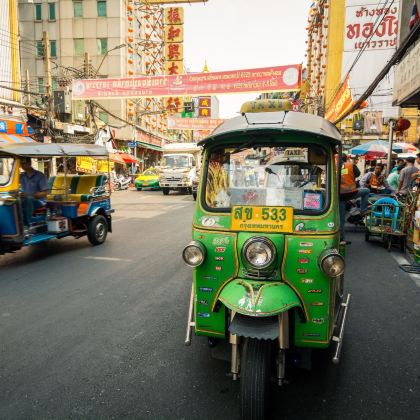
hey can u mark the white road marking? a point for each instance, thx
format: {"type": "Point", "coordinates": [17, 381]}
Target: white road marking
{"type": "Point", "coordinates": [107, 259]}
{"type": "Point", "coordinates": [400, 259]}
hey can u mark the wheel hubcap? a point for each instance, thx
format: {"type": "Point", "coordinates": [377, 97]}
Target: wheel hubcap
{"type": "Point", "coordinates": [100, 231]}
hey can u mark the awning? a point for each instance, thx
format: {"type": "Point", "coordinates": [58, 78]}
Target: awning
{"type": "Point", "coordinates": [14, 139]}
{"type": "Point", "coordinates": [128, 158]}
{"type": "Point", "coordinates": [116, 157]}
{"type": "Point", "coordinates": [149, 146]}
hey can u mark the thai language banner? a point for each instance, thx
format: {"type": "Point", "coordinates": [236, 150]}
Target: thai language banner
{"type": "Point", "coordinates": [371, 27]}
{"type": "Point", "coordinates": [193, 123]}
{"type": "Point", "coordinates": [269, 79]}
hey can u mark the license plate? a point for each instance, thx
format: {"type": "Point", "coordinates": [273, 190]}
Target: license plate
{"type": "Point", "coordinates": [145, 184]}
{"type": "Point", "coordinates": [262, 219]}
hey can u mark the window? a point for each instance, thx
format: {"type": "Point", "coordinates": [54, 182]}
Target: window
{"type": "Point", "coordinates": [39, 49]}
{"type": "Point", "coordinates": [267, 175]}
{"type": "Point", "coordinates": [103, 116]}
{"type": "Point", "coordinates": [79, 46]}
{"type": "Point", "coordinates": [53, 48]}
{"type": "Point", "coordinates": [102, 46]}
{"type": "Point", "coordinates": [51, 11]}
{"type": "Point", "coordinates": [77, 9]}
{"type": "Point", "coordinates": [54, 84]}
{"type": "Point", "coordinates": [41, 87]}
{"type": "Point", "coordinates": [38, 11]}
{"type": "Point", "coordinates": [101, 6]}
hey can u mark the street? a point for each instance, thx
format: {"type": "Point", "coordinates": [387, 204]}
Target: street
{"type": "Point", "coordinates": [97, 332]}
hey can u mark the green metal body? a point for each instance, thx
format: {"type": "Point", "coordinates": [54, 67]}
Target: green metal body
{"type": "Point", "coordinates": [297, 284]}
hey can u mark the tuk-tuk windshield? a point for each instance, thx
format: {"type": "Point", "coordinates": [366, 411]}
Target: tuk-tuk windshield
{"type": "Point", "coordinates": [268, 176]}
{"type": "Point", "coordinates": [175, 161]}
{"type": "Point", "coordinates": [6, 169]}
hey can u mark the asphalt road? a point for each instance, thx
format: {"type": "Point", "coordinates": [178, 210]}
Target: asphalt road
{"type": "Point", "coordinates": [97, 332]}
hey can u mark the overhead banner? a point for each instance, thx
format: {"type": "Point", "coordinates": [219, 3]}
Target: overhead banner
{"type": "Point", "coordinates": [175, 1]}
{"type": "Point", "coordinates": [269, 79]}
{"type": "Point", "coordinates": [341, 103]}
{"type": "Point", "coordinates": [193, 123]}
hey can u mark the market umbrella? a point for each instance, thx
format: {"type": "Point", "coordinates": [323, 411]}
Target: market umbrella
{"type": "Point", "coordinates": [407, 148]}
{"type": "Point", "coordinates": [375, 149]}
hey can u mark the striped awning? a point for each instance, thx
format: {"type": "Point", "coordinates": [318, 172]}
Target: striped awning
{"type": "Point", "coordinates": [14, 139]}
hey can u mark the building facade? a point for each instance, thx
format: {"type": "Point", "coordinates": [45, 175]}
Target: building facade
{"type": "Point", "coordinates": [88, 39]}
{"type": "Point", "coordinates": [349, 42]}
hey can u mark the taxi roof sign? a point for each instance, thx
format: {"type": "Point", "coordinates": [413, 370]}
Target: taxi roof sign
{"type": "Point", "coordinates": [267, 105]}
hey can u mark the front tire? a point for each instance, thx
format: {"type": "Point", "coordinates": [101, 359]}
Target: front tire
{"type": "Point", "coordinates": [97, 230]}
{"type": "Point", "coordinates": [255, 379]}
{"type": "Point", "coordinates": [165, 191]}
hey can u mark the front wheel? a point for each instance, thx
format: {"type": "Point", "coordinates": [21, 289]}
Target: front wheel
{"type": "Point", "coordinates": [97, 230]}
{"type": "Point", "coordinates": [255, 379]}
{"type": "Point", "coordinates": [165, 191]}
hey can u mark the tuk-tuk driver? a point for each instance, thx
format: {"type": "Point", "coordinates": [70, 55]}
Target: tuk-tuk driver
{"type": "Point", "coordinates": [34, 185]}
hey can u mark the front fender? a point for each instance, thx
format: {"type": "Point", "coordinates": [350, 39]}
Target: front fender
{"type": "Point", "coordinates": [258, 299]}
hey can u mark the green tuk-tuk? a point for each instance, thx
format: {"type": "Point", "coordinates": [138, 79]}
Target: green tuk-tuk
{"type": "Point", "coordinates": [268, 266]}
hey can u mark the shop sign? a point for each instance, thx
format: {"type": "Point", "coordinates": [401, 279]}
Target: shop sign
{"type": "Point", "coordinates": [268, 79]}
{"type": "Point", "coordinates": [341, 103]}
{"type": "Point", "coordinates": [174, 51]}
{"type": "Point", "coordinates": [85, 164]}
{"type": "Point", "coordinates": [407, 75]}
{"type": "Point", "coordinates": [362, 31]}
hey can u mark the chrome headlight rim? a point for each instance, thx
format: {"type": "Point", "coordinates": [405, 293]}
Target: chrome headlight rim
{"type": "Point", "coordinates": [265, 241]}
{"type": "Point", "coordinates": [198, 245]}
{"type": "Point", "coordinates": [331, 253]}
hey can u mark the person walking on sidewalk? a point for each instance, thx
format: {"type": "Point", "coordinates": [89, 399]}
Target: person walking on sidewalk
{"type": "Point", "coordinates": [350, 191]}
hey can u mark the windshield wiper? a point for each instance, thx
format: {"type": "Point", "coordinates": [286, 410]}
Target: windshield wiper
{"type": "Point", "coordinates": [243, 146]}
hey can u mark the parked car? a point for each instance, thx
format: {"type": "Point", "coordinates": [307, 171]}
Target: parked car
{"type": "Point", "coordinates": [148, 179]}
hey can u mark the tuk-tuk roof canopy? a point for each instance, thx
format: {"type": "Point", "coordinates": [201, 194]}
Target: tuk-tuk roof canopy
{"type": "Point", "coordinates": [53, 149]}
{"type": "Point", "coordinates": [288, 121]}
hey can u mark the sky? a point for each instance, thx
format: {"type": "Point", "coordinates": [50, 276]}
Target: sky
{"type": "Point", "coordinates": [243, 34]}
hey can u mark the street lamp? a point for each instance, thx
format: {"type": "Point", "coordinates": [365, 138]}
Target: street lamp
{"type": "Point", "coordinates": [103, 58]}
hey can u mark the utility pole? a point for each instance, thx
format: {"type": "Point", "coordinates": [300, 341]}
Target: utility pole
{"type": "Point", "coordinates": [86, 74]}
{"type": "Point", "coordinates": [48, 80]}
{"type": "Point", "coordinates": [27, 88]}
{"type": "Point", "coordinates": [50, 100]}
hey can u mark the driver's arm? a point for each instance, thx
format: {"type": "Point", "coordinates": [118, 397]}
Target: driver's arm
{"type": "Point", "coordinates": [42, 188]}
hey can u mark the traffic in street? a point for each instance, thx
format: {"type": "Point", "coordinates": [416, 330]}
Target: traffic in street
{"type": "Point", "coordinates": [98, 332]}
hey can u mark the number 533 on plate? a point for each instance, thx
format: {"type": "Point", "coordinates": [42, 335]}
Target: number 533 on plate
{"type": "Point", "coordinates": [262, 219]}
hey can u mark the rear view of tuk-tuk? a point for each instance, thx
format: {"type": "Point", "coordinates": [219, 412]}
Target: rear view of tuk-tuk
{"type": "Point", "coordinates": [268, 271]}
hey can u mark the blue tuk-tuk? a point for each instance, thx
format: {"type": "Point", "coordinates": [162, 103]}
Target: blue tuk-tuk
{"type": "Point", "coordinates": [76, 205]}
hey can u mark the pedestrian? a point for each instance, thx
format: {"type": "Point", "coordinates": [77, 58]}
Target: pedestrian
{"type": "Point", "coordinates": [407, 175]}
{"type": "Point", "coordinates": [350, 191]}
{"type": "Point", "coordinates": [417, 163]}
{"type": "Point", "coordinates": [400, 162]}
{"type": "Point", "coordinates": [376, 181]}
{"type": "Point", "coordinates": [393, 178]}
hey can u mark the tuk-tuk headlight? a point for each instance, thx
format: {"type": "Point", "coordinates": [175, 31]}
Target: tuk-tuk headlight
{"type": "Point", "coordinates": [331, 263]}
{"type": "Point", "coordinates": [259, 252]}
{"type": "Point", "coordinates": [194, 254]}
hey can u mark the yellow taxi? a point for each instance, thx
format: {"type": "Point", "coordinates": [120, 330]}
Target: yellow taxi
{"type": "Point", "coordinates": [148, 179]}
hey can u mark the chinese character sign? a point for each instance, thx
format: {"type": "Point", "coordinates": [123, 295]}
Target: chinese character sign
{"type": "Point", "coordinates": [174, 51]}
{"type": "Point", "coordinates": [204, 106]}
